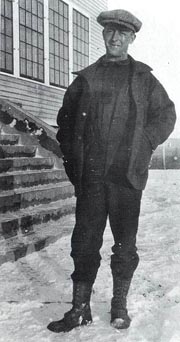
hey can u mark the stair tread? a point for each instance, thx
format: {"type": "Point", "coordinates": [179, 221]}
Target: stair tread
{"type": "Point", "coordinates": [37, 208]}
{"type": "Point", "coordinates": [2, 136]}
{"type": "Point", "coordinates": [18, 145]}
{"type": "Point", "coordinates": [26, 158]}
{"type": "Point", "coordinates": [21, 190]}
{"type": "Point", "coordinates": [29, 172]}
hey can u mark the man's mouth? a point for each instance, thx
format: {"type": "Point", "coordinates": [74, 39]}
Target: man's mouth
{"type": "Point", "coordinates": [114, 45]}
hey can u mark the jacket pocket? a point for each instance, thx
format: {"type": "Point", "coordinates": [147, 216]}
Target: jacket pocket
{"type": "Point", "coordinates": [144, 155]}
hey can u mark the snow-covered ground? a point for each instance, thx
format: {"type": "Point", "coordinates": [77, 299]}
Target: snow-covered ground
{"type": "Point", "coordinates": [37, 288]}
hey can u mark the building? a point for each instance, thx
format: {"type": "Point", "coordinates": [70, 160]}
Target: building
{"type": "Point", "coordinates": [41, 43]}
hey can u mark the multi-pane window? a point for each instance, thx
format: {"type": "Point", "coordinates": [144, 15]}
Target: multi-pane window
{"type": "Point", "coordinates": [80, 40]}
{"type": "Point", "coordinates": [6, 37]}
{"type": "Point", "coordinates": [59, 43]}
{"type": "Point", "coordinates": [31, 30]}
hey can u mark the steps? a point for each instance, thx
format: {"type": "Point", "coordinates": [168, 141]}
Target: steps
{"type": "Point", "coordinates": [8, 151]}
{"type": "Point", "coordinates": [33, 191]}
{"type": "Point", "coordinates": [15, 164]}
{"type": "Point", "coordinates": [18, 179]}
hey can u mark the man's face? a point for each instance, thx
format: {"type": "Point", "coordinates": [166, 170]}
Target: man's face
{"type": "Point", "coordinates": [117, 40]}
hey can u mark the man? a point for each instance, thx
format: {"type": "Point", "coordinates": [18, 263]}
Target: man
{"type": "Point", "coordinates": [114, 115]}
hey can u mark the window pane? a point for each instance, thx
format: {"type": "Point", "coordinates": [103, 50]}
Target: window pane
{"type": "Point", "coordinates": [8, 27]}
{"type": "Point", "coordinates": [40, 10]}
{"type": "Point", "coordinates": [40, 41]}
{"type": "Point", "coordinates": [28, 36]}
{"type": "Point", "coordinates": [28, 19]}
{"type": "Point", "coordinates": [51, 46]}
{"type": "Point", "coordinates": [2, 8]}
{"type": "Point", "coordinates": [34, 7]}
{"type": "Point", "coordinates": [29, 52]}
{"type": "Point", "coordinates": [22, 3]}
{"type": "Point", "coordinates": [52, 76]}
{"type": "Point", "coordinates": [35, 70]}
{"type": "Point", "coordinates": [22, 50]}
{"type": "Point", "coordinates": [34, 22]}
{"type": "Point", "coordinates": [41, 72]}
{"type": "Point", "coordinates": [51, 31]}
{"type": "Point", "coordinates": [57, 63]}
{"type": "Point", "coordinates": [23, 66]}
{"type": "Point", "coordinates": [2, 25]}
{"type": "Point", "coordinates": [8, 44]}
{"type": "Point", "coordinates": [2, 60]}
{"type": "Point", "coordinates": [56, 77]}
{"type": "Point", "coordinates": [34, 38]}
{"type": "Point", "coordinates": [22, 34]}
{"type": "Point", "coordinates": [51, 15]}
{"type": "Point", "coordinates": [35, 54]}
{"type": "Point", "coordinates": [29, 68]}
{"type": "Point", "coordinates": [56, 2]}
{"type": "Point", "coordinates": [9, 62]}
{"type": "Point", "coordinates": [2, 42]}
{"type": "Point", "coordinates": [28, 5]}
{"type": "Point", "coordinates": [40, 25]}
{"type": "Point", "coordinates": [22, 16]}
{"type": "Point", "coordinates": [40, 56]}
{"type": "Point", "coordinates": [56, 33]}
{"type": "Point", "coordinates": [8, 9]}
{"type": "Point", "coordinates": [52, 61]}
{"type": "Point", "coordinates": [56, 49]}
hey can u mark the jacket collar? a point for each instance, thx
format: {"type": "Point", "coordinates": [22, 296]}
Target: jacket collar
{"type": "Point", "coordinates": [138, 67]}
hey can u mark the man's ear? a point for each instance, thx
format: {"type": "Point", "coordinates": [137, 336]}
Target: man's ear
{"type": "Point", "coordinates": [132, 39]}
{"type": "Point", "coordinates": [103, 33]}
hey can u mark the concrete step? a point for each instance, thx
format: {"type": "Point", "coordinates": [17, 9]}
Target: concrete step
{"type": "Point", "coordinates": [26, 220]}
{"type": "Point", "coordinates": [9, 139]}
{"type": "Point", "coordinates": [16, 179]}
{"type": "Point", "coordinates": [7, 151]}
{"type": "Point", "coordinates": [14, 200]}
{"type": "Point", "coordinates": [31, 163]}
{"type": "Point", "coordinates": [24, 243]}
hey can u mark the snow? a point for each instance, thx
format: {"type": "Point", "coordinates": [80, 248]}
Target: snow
{"type": "Point", "coordinates": [37, 288]}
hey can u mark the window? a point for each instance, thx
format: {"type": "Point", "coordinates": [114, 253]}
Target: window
{"type": "Point", "coordinates": [80, 40]}
{"type": "Point", "coordinates": [6, 37]}
{"type": "Point", "coordinates": [59, 43]}
{"type": "Point", "coordinates": [31, 31]}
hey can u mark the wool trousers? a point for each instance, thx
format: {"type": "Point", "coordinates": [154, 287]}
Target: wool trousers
{"type": "Point", "coordinates": [97, 203]}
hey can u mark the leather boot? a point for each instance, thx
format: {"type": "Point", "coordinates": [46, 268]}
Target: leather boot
{"type": "Point", "coordinates": [119, 313]}
{"type": "Point", "coordinates": [80, 314]}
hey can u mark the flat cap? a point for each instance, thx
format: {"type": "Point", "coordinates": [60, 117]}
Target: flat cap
{"type": "Point", "coordinates": [120, 17]}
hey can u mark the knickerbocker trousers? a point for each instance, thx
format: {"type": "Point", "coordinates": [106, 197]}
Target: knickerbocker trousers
{"type": "Point", "coordinates": [97, 202]}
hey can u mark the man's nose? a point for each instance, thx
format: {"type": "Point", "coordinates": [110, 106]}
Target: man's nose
{"type": "Point", "coordinates": [116, 35]}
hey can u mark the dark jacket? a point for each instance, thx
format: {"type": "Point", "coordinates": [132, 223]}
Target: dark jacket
{"type": "Point", "coordinates": [155, 119]}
